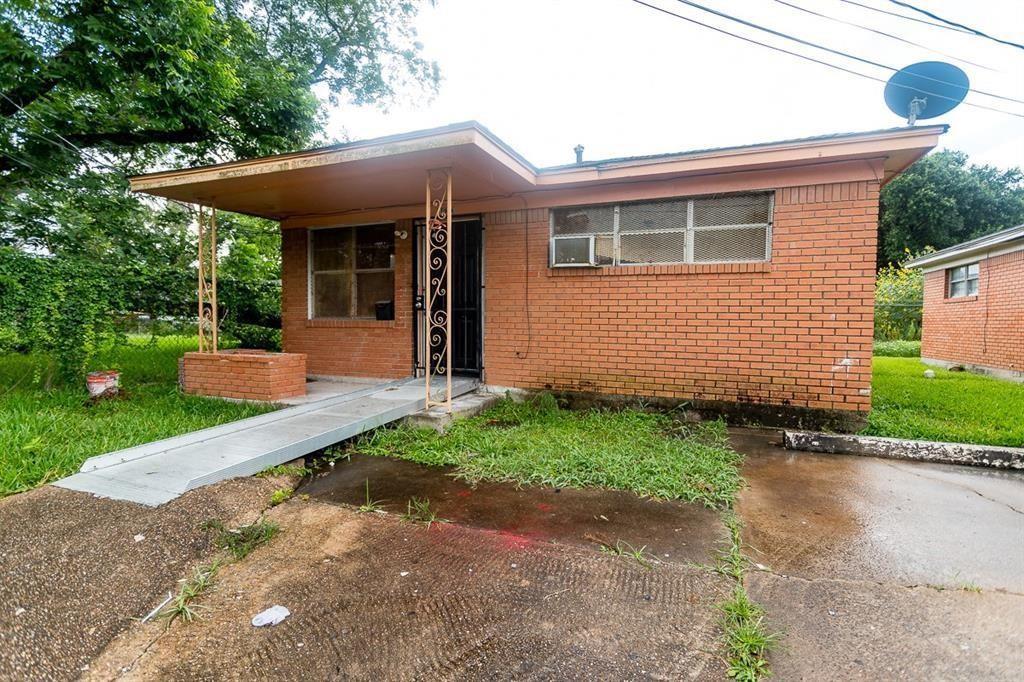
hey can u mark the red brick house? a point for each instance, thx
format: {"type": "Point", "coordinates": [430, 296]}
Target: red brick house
{"type": "Point", "coordinates": [723, 277]}
{"type": "Point", "coordinates": [974, 305]}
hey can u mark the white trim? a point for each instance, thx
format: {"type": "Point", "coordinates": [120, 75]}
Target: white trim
{"type": "Point", "coordinates": [969, 257]}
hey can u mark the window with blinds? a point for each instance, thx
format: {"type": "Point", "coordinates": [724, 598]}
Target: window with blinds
{"type": "Point", "coordinates": [719, 229]}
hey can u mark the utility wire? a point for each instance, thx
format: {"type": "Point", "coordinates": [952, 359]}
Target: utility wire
{"type": "Point", "coordinates": [962, 27]}
{"type": "Point", "coordinates": [882, 33]}
{"type": "Point", "coordinates": [902, 16]}
{"type": "Point", "coordinates": [811, 59]}
{"type": "Point", "coordinates": [839, 53]}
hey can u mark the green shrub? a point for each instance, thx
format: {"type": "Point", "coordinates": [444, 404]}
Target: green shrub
{"type": "Point", "coordinates": [9, 340]}
{"type": "Point", "coordinates": [898, 349]}
{"type": "Point", "coordinates": [899, 293]}
{"type": "Point", "coordinates": [254, 336]}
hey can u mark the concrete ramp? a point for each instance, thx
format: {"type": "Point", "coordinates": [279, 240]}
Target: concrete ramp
{"type": "Point", "coordinates": [157, 472]}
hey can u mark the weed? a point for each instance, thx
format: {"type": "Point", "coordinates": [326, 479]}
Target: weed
{"type": "Point", "coordinates": [419, 511]}
{"type": "Point", "coordinates": [241, 541]}
{"type": "Point", "coordinates": [285, 470]}
{"type": "Point", "coordinates": [622, 548]}
{"type": "Point", "coordinates": [746, 639]}
{"type": "Point", "coordinates": [281, 495]}
{"type": "Point", "coordinates": [370, 505]}
{"type": "Point", "coordinates": [183, 605]}
{"type": "Point", "coordinates": [971, 587]}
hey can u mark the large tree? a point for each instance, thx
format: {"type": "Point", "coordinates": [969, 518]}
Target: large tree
{"type": "Point", "coordinates": [943, 200]}
{"type": "Point", "coordinates": [127, 82]}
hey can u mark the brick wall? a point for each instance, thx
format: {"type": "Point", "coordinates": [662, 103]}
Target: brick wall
{"type": "Point", "coordinates": [796, 331]}
{"type": "Point", "coordinates": [985, 330]}
{"type": "Point", "coordinates": [368, 348]}
{"type": "Point", "coordinates": [244, 374]}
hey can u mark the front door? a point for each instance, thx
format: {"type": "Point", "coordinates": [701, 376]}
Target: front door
{"type": "Point", "coordinates": [467, 298]}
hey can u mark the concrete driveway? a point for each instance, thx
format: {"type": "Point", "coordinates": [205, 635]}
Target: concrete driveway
{"type": "Point", "coordinates": [873, 569]}
{"type": "Point", "coordinates": [881, 569]}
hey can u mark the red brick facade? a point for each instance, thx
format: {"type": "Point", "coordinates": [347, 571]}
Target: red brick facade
{"type": "Point", "coordinates": [795, 331]}
{"type": "Point", "coordinates": [366, 348]}
{"type": "Point", "coordinates": [986, 330]}
{"type": "Point", "coordinates": [244, 374]}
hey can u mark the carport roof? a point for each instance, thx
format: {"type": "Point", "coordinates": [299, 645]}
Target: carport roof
{"type": "Point", "coordinates": [389, 171]}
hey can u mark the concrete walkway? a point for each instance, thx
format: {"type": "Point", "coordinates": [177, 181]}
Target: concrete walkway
{"type": "Point", "coordinates": [155, 473]}
{"type": "Point", "coordinates": [879, 569]}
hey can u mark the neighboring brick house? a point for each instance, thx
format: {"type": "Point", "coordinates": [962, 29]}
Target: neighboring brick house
{"type": "Point", "coordinates": [974, 305]}
{"type": "Point", "coordinates": [722, 277]}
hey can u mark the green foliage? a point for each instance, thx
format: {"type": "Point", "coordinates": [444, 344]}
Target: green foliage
{"type": "Point", "coordinates": [184, 605]}
{"type": "Point", "coordinates": [899, 295]}
{"type": "Point", "coordinates": [137, 79]}
{"type": "Point", "coordinates": [254, 336]}
{"type": "Point", "coordinates": [897, 349]}
{"type": "Point", "coordinates": [47, 434]}
{"type": "Point", "coordinates": [956, 407]}
{"type": "Point", "coordinates": [537, 443]}
{"type": "Point", "coordinates": [241, 541]}
{"type": "Point", "coordinates": [942, 200]}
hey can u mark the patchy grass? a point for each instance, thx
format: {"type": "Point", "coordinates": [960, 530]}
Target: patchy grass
{"type": "Point", "coordinates": [419, 511]}
{"type": "Point", "coordinates": [371, 505]}
{"type": "Point", "coordinates": [48, 431]}
{"type": "Point", "coordinates": [898, 349]}
{"type": "Point", "coordinates": [747, 641]}
{"type": "Point", "coordinates": [537, 443]}
{"type": "Point", "coordinates": [623, 548]}
{"type": "Point", "coordinates": [241, 541]}
{"type": "Point", "coordinates": [299, 470]}
{"type": "Point", "coordinates": [958, 407]}
{"type": "Point", "coordinates": [183, 605]}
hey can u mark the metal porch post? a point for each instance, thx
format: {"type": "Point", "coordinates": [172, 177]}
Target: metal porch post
{"type": "Point", "coordinates": [439, 282]}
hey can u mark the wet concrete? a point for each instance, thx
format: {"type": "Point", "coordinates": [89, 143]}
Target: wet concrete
{"type": "Point", "coordinates": [375, 598]}
{"type": "Point", "coordinates": [671, 531]}
{"type": "Point", "coordinates": [875, 569]}
{"type": "Point", "coordinates": [863, 518]}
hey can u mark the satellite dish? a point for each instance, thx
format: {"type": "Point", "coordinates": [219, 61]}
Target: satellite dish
{"type": "Point", "coordinates": [926, 90]}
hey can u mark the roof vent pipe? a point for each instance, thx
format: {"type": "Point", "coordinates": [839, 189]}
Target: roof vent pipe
{"type": "Point", "coordinates": [579, 153]}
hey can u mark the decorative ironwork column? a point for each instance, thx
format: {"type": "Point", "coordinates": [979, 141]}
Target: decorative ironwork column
{"type": "Point", "coordinates": [207, 267]}
{"type": "Point", "coordinates": [439, 282]}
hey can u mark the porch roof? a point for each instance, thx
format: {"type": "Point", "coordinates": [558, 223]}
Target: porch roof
{"type": "Point", "coordinates": [388, 172]}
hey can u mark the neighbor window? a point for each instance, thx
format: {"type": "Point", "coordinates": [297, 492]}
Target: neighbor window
{"type": "Point", "coordinates": [352, 270]}
{"type": "Point", "coordinates": [720, 229]}
{"type": "Point", "coordinates": [962, 281]}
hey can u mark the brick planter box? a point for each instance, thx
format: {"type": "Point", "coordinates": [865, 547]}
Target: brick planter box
{"type": "Point", "coordinates": [244, 374]}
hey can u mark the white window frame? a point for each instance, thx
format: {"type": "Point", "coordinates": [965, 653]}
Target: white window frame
{"type": "Point", "coordinates": [311, 273]}
{"type": "Point", "coordinates": [961, 274]}
{"type": "Point", "coordinates": [688, 234]}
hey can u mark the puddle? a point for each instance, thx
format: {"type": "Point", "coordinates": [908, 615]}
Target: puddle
{"type": "Point", "coordinates": [672, 531]}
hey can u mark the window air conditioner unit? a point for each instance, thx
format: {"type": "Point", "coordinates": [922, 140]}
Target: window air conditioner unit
{"type": "Point", "coordinates": [573, 252]}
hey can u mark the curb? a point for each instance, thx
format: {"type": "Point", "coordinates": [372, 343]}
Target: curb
{"type": "Point", "coordinates": [992, 456]}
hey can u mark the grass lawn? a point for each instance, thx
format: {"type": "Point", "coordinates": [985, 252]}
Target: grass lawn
{"type": "Point", "coordinates": [47, 434]}
{"type": "Point", "coordinates": [957, 407]}
{"type": "Point", "coordinates": [537, 443]}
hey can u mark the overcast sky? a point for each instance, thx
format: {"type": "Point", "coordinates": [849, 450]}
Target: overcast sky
{"type": "Point", "coordinates": [623, 79]}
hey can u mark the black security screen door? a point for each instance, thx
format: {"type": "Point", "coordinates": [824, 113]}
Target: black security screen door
{"type": "Point", "coordinates": [467, 299]}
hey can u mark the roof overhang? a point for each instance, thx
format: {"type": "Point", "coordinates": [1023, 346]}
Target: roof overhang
{"type": "Point", "coordinates": [1004, 241]}
{"type": "Point", "coordinates": [390, 171]}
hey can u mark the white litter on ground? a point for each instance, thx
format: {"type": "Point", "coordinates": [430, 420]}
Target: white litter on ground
{"type": "Point", "coordinates": [272, 616]}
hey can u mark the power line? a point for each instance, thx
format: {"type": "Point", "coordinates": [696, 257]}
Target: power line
{"type": "Point", "coordinates": [807, 57]}
{"type": "Point", "coordinates": [955, 24]}
{"type": "Point", "coordinates": [882, 33]}
{"type": "Point", "coordinates": [902, 16]}
{"type": "Point", "coordinates": [839, 53]}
